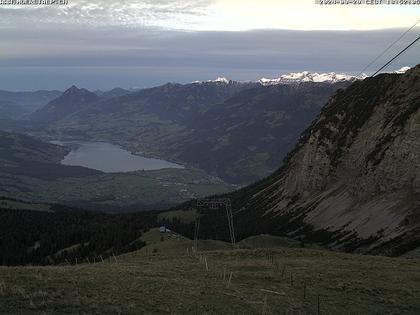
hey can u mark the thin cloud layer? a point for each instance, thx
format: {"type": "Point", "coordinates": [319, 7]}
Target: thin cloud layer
{"type": "Point", "coordinates": [105, 13]}
{"type": "Point", "coordinates": [103, 58]}
{"type": "Point", "coordinates": [212, 15]}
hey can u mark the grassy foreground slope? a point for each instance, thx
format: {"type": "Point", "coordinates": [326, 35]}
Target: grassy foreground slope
{"type": "Point", "coordinates": [162, 279]}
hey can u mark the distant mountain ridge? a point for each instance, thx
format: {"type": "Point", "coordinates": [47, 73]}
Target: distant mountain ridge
{"type": "Point", "coordinates": [71, 101]}
{"type": "Point", "coordinates": [295, 78]}
{"type": "Point", "coordinates": [220, 80]}
{"type": "Point", "coordinates": [11, 110]}
{"type": "Point", "coordinates": [17, 105]}
{"type": "Point", "coordinates": [74, 99]}
{"type": "Point", "coordinates": [116, 92]}
{"type": "Point", "coordinates": [306, 76]}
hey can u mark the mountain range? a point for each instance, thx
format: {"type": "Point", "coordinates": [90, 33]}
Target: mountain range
{"type": "Point", "coordinates": [193, 124]}
{"type": "Point", "coordinates": [307, 76]}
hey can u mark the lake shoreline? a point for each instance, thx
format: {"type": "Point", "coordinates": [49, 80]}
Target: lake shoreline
{"type": "Point", "coordinates": [109, 158]}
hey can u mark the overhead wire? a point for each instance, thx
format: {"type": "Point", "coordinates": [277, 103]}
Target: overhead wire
{"type": "Point", "coordinates": [388, 48]}
{"type": "Point", "coordinates": [395, 57]}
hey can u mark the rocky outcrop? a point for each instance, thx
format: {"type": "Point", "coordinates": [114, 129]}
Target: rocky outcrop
{"type": "Point", "coordinates": [353, 180]}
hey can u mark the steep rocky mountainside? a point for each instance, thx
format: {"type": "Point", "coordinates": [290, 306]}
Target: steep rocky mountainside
{"type": "Point", "coordinates": [353, 180]}
{"type": "Point", "coordinates": [237, 131]}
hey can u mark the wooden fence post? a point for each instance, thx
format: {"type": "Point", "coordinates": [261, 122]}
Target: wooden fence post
{"type": "Point", "coordinates": [318, 307]}
{"type": "Point", "coordinates": [230, 279]}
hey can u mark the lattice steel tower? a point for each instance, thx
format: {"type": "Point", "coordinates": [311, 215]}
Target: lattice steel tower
{"type": "Point", "coordinates": [215, 204]}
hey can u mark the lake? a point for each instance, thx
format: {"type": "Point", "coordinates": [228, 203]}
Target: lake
{"type": "Point", "coordinates": [109, 158]}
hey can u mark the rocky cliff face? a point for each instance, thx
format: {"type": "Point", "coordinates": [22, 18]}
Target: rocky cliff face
{"type": "Point", "coordinates": [353, 180]}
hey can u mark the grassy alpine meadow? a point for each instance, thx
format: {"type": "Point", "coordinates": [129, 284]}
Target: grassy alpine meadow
{"type": "Point", "coordinates": [168, 277]}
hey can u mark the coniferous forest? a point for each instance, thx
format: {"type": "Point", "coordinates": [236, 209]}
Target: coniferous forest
{"type": "Point", "coordinates": [68, 235]}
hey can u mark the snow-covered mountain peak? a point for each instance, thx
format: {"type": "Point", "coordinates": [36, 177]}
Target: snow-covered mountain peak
{"type": "Point", "coordinates": [221, 80]}
{"type": "Point", "coordinates": [306, 76]}
{"type": "Point", "coordinates": [402, 70]}
{"type": "Point", "coordinates": [217, 80]}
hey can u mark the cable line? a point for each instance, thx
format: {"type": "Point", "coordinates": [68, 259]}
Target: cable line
{"type": "Point", "coordinates": [387, 49]}
{"type": "Point", "coordinates": [399, 54]}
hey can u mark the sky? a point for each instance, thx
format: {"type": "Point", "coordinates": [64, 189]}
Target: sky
{"type": "Point", "coordinates": [105, 44]}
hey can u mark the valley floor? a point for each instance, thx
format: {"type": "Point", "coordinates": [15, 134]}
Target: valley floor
{"type": "Point", "coordinates": [134, 191]}
{"type": "Point", "coordinates": [164, 278]}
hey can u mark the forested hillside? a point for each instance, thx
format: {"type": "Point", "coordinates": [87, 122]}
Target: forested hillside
{"type": "Point", "coordinates": [58, 234]}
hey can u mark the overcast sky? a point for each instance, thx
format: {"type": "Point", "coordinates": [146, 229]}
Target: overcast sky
{"type": "Point", "coordinates": [104, 44]}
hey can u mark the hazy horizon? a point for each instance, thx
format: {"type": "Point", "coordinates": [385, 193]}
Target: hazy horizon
{"type": "Point", "coordinates": [146, 43]}
{"type": "Point", "coordinates": [93, 88]}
